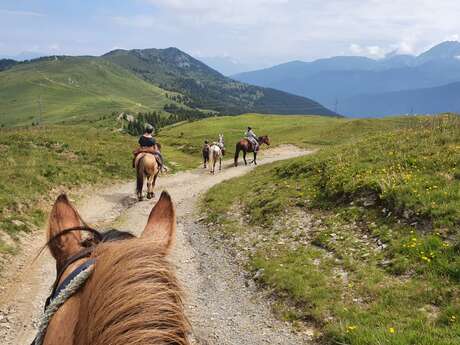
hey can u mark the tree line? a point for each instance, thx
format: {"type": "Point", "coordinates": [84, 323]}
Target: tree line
{"type": "Point", "coordinates": [159, 120]}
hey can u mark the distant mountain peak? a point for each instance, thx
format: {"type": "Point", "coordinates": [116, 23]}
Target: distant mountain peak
{"type": "Point", "coordinates": [444, 50]}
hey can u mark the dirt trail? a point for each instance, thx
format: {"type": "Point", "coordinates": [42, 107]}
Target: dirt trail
{"type": "Point", "coordinates": [222, 308]}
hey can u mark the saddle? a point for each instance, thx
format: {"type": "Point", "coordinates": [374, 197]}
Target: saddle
{"type": "Point", "coordinates": [140, 150]}
{"type": "Point", "coordinates": [152, 150]}
{"type": "Point", "coordinates": [251, 144]}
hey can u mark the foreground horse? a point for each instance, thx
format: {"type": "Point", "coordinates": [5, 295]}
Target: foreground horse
{"type": "Point", "coordinates": [246, 146]}
{"type": "Point", "coordinates": [146, 166]}
{"type": "Point", "coordinates": [131, 296]}
{"type": "Point", "coordinates": [216, 151]}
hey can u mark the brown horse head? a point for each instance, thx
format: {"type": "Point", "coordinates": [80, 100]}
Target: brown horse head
{"type": "Point", "coordinates": [264, 140]}
{"type": "Point", "coordinates": [132, 295]}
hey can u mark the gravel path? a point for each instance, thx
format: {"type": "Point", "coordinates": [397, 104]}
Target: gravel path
{"type": "Point", "coordinates": [223, 306]}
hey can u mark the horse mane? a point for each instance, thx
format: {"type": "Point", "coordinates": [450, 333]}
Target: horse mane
{"type": "Point", "coordinates": [132, 297]}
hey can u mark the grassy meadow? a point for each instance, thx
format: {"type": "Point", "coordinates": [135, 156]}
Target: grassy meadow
{"type": "Point", "coordinates": [44, 158]}
{"type": "Point", "coordinates": [39, 161]}
{"type": "Point", "coordinates": [303, 131]}
{"type": "Point", "coordinates": [72, 89]}
{"type": "Point", "coordinates": [360, 241]}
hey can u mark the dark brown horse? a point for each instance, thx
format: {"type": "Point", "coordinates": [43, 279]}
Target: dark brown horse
{"type": "Point", "coordinates": [246, 146]}
{"type": "Point", "coordinates": [205, 153]}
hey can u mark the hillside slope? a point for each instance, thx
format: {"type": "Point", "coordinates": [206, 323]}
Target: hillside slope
{"type": "Point", "coordinates": [360, 241]}
{"type": "Point", "coordinates": [72, 88]}
{"type": "Point", "coordinates": [206, 88]}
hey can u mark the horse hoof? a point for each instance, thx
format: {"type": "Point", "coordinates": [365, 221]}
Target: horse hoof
{"type": "Point", "coordinates": [150, 195]}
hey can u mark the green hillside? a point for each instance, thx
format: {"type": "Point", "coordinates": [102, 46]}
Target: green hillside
{"type": "Point", "coordinates": [360, 241]}
{"type": "Point", "coordinates": [174, 70]}
{"type": "Point", "coordinates": [72, 88]}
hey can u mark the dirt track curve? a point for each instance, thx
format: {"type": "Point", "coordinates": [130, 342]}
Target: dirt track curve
{"type": "Point", "coordinates": [223, 308]}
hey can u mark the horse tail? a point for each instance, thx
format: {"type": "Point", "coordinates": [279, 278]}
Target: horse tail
{"type": "Point", "coordinates": [140, 175]}
{"type": "Point", "coordinates": [212, 155]}
{"type": "Point", "coordinates": [237, 153]}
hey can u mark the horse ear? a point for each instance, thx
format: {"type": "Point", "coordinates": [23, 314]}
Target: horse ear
{"type": "Point", "coordinates": [63, 216]}
{"type": "Point", "coordinates": [161, 225]}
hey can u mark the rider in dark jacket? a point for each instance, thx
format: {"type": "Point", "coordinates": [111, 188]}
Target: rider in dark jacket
{"type": "Point", "coordinates": [146, 142]}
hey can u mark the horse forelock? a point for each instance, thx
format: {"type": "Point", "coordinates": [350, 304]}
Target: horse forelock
{"type": "Point", "coordinates": [132, 296]}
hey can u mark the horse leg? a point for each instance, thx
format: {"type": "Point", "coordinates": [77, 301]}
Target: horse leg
{"type": "Point", "coordinates": [152, 180]}
{"type": "Point", "coordinates": [237, 154]}
{"type": "Point", "coordinates": [140, 178]}
{"type": "Point", "coordinates": [149, 187]}
{"type": "Point", "coordinates": [255, 158]}
{"type": "Point", "coordinates": [220, 163]}
{"type": "Point", "coordinates": [244, 158]}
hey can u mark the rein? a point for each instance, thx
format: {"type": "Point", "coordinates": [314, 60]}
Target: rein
{"type": "Point", "coordinates": [60, 293]}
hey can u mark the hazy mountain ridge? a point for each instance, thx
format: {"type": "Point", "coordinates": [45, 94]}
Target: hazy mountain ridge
{"type": "Point", "coordinates": [434, 100]}
{"type": "Point", "coordinates": [335, 80]}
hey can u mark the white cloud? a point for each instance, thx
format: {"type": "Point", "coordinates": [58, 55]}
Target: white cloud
{"type": "Point", "coordinates": [253, 31]}
{"type": "Point", "coordinates": [306, 29]}
{"type": "Point", "coordinates": [21, 13]}
{"type": "Point", "coordinates": [375, 51]}
{"type": "Point", "coordinates": [356, 49]}
{"type": "Point", "coordinates": [371, 51]}
{"type": "Point", "coordinates": [405, 48]}
{"type": "Point", "coordinates": [453, 37]}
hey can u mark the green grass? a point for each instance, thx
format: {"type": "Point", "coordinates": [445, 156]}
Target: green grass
{"type": "Point", "coordinates": [303, 131]}
{"type": "Point", "coordinates": [73, 88]}
{"type": "Point", "coordinates": [361, 240]}
{"type": "Point", "coordinates": [39, 162]}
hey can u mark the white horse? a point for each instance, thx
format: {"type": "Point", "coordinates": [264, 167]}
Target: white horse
{"type": "Point", "coordinates": [216, 151]}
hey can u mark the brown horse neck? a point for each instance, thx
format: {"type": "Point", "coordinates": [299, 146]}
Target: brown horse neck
{"type": "Point", "coordinates": [131, 275]}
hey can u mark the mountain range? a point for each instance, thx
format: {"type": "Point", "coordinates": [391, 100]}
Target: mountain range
{"type": "Point", "coordinates": [173, 70]}
{"type": "Point", "coordinates": [360, 86]}
{"type": "Point", "coordinates": [122, 80]}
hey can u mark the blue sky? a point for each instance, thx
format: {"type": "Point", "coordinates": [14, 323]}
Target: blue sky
{"type": "Point", "coordinates": [255, 32]}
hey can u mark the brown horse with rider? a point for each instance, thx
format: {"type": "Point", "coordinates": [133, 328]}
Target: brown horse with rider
{"type": "Point", "coordinates": [250, 144]}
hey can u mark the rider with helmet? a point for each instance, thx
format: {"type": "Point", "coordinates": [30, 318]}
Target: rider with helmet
{"type": "Point", "coordinates": [253, 138]}
{"type": "Point", "coordinates": [148, 144]}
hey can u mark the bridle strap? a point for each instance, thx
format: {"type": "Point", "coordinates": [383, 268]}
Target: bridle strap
{"type": "Point", "coordinates": [80, 255]}
{"type": "Point", "coordinates": [77, 228]}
